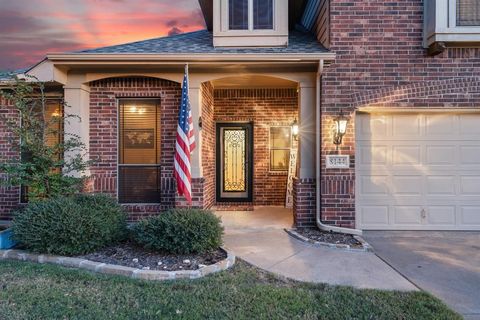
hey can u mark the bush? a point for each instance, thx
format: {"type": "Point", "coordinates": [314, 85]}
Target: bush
{"type": "Point", "coordinates": [70, 225]}
{"type": "Point", "coordinates": [181, 231]}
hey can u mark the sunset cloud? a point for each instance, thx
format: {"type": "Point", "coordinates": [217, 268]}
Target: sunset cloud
{"type": "Point", "coordinates": [28, 32]}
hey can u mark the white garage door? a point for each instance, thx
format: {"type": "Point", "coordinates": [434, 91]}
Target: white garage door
{"type": "Point", "coordinates": [418, 171]}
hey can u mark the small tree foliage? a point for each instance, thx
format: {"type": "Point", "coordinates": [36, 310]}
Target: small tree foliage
{"type": "Point", "coordinates": [41, 166]}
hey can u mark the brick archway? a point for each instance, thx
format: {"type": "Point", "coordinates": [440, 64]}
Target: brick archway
{"type": "Point", "coordinates": [449, 93]}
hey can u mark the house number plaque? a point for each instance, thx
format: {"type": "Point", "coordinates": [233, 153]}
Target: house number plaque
{"type": "Point", "coordinates": [338, 161]}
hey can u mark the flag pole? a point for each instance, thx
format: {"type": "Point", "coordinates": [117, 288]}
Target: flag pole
{"type": "Point", "coordinates": [188, 94]}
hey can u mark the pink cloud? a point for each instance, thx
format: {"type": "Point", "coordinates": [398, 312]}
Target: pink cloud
{"type": "Point", "coordinates": [28, 33]}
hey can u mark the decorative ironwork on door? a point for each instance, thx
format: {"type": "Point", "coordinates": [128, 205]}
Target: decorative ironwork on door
{"type": "Point", "coordinates": [234, 141]}
{"type": "Point", "coordinates": [234, 162]}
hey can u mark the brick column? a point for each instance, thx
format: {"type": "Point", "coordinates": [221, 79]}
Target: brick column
{"type": "Point", "coordinates": [304, 204]}
{"type": "Point", "coordinates": [304, 184]}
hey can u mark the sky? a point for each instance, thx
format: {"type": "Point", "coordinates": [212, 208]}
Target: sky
{"type": "Point", "coordinates": [29, 29]}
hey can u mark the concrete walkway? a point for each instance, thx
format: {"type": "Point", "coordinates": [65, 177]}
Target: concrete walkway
{"type": "Point", "coordinates": [269, 247]}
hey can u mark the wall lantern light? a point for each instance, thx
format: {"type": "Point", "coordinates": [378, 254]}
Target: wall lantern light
{"type": "Point", "coordinates": [341, 122]}
{"type": "Point", "coordinates": [295, 129]}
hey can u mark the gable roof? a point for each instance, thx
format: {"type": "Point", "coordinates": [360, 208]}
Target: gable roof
{"type": "Point", "coordinates": [202, 42]}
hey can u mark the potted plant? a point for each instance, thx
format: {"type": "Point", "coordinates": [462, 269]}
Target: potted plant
{"type": "Point", "coordinates": [6, 241]}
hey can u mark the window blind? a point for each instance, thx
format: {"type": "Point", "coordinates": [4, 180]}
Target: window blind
{"type": "Point", "coordinates": [468, 12]}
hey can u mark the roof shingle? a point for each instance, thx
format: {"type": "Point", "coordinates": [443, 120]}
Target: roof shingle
{"type": "Point", "coordinates": [202, 42]}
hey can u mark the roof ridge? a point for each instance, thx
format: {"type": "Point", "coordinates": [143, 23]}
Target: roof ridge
{"type": "Point", "coordinates": [179, 35]}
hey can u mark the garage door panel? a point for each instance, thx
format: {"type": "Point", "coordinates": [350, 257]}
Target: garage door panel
{"type": "Point", "coordinates": [469, 124]}
{"type": "Point", "coordinates": [470, 185]}
{"type": "Point", "coordinates": [413, 162]}
{"type": "Point", "coordinates": [374, 215]}
{"type": "Point", "coordinates": [469, 155]}
{"type": "Point", "coordinates": [373, 155]}
{"type": "Point", "coordinates": [440, 185]}
{"type": "Point", "coordinates": [441, 215]}
{"type": "Point", "coordinates": [407, 215]}
{"type": "Point", "coordinates": [406, 155]}
{"type": "Point", "coordinates": [372, 125]}
{"type": "Point", "coordinates": [470, 216]}
{"type": "Point", "coordinates": [440, 155]}
{"type": "Point", "coordinates": [440, 125]}
{"type": "Point", "coordinates": [374, 185]}
{"type": "Point", "coordinates": [406, 125]}
{"type": "Point", "coordinates": [407, 185]}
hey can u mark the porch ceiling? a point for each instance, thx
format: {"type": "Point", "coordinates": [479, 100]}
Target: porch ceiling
{"type": "Point", "coordinates": [252, 81]}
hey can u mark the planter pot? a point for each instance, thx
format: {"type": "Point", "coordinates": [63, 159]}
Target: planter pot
{"type": "Point", "coordinates": [5, 239]}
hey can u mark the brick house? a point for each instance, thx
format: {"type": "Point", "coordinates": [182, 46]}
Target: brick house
{"type": "Point", "coordinates": [386, 95]}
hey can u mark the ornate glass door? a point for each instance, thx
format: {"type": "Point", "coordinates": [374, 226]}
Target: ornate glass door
{"type": "Point", "coordinates": [234, 162]}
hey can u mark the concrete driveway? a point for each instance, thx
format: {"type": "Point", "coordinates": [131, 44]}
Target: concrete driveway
{"type": "Point", "coordinates": [446, 264]}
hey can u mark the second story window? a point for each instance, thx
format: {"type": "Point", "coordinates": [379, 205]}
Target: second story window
{"type": "Point", "coordinates": [468, 13]}
{"type": "Point", "coordinates": [238, 14]}
{"type": "Point", "coordinates": [262, 14]}
{"type": "Point", "coordinates": [250, 14]}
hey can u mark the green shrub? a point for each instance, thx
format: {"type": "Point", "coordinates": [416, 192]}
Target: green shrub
{"type": "Point", "coordinates": [70, 225]}
{"type": "Point", "coordinates": [180, 231]}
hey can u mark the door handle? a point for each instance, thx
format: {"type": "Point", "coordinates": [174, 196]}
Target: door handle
{"type": "Point", "coordinates": [423, 213]}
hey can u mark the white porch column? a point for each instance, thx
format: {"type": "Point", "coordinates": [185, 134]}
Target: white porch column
{"type": "Point", "coordinates": [77, 100]}
{"type": "Point", "coordinates": [195, 92]}
{"type": "Point", "coordinates": [306, 122]}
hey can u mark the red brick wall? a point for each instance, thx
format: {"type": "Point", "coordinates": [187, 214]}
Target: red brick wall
{"type": "Point", "coordinates": [103, 134]}
{"type": "Point", "coordinates": [265, 108]}
{"type": "Point", "coordinates": [208, 145]}
{"type": "Point", "coordinates": [9, 196]}
{"type": "Point", "coordinates": [304, 204]}
{"type": "Point", "coordinates": [381, 63]}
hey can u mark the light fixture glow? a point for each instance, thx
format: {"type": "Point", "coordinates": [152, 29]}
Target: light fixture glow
{"type": "Point", "coordinates": [340, 128]}
{"type": "Point", "coordinates": [295, 129]}
{"type": "Point", "coordinates": [133, 109]}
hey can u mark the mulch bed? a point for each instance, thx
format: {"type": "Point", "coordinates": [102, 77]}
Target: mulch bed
{"type": "Point", "coordinates": [329, 237]}
{"type": "Point", "coordinates": [131, 255]}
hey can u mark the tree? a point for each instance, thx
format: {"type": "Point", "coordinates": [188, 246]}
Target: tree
{"type": "Point", "coordinates": [41, 166]}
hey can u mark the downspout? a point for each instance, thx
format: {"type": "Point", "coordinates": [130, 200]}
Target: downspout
{"type": "Point", "coordinates": [318, 158]}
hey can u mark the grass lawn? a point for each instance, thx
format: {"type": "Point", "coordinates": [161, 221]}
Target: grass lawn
{"type": "Point", "coordinates": [32, 291]}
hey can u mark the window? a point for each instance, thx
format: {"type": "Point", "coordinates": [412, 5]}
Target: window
{"type": "Point", "coordinates": [262, 14]}
{"type": "Point", "coordinates": [240, 10]}
{"type": "Point", "coordinates": [238, 14]}
{"type": "Point", "coordinates": [53, 117]}
{"type": "Point", "coordinates": [451, 23]}
{"type": "Point", "coordinates": [468, 13]}
{"type": "Point", "coordinates": [139, 151]}
{"type": "Point", "coordinates": [280, 145]}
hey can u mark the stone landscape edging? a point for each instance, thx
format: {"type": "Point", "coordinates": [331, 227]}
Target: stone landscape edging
{"type": "Point", "coordinates": [113, 269]}
{"type": "Point", "coordinates": [366, 247]}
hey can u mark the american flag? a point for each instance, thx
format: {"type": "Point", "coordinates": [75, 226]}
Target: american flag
{"type": "Point", "coordinates": [185, 144]}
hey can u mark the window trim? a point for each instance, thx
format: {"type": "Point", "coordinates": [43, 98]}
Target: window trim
{"type": "Point", "coordinates": [119, 100]}
{"type": "Point", "coordinates": [440, 25]}
{"type": "Point", "coordinates": [270, 148]}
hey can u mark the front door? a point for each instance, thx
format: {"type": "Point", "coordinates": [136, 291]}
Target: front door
{"type": "Point", "coordinates": [234, 162]}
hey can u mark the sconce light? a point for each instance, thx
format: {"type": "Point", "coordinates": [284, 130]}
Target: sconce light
{"type": "Point", "coordinates": [295, 129]}
{"type": "Point", "coordinates": [341, 122]}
